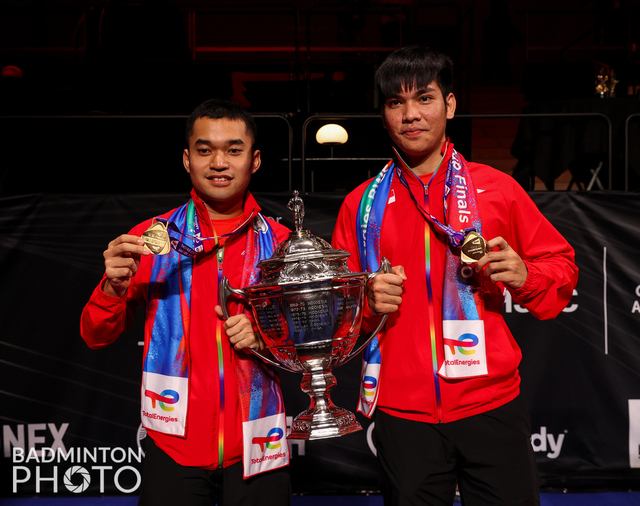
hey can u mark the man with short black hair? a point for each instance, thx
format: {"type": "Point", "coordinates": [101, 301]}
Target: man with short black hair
{"type": "Point", "coordinates": [444, 372]}
{"type": "Point", "coordinates": [208, 404]}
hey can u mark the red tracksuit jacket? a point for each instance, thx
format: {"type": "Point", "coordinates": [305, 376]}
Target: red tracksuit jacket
{"type": "Point", "coordinates": [406, 384]}
{"type": "Point", "coordinates": [105, 318]}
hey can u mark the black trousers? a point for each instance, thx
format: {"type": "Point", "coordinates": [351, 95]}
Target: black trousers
{"type": "Point", "coordinates": [489, 456]}
{"type": "Point", "coordinates": [166, 482]}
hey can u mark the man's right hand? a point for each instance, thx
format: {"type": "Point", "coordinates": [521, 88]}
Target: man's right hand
{"type": "Point", "coordinates": [121, 261]}
{"type": "Point", "coordinates": [384, 294]}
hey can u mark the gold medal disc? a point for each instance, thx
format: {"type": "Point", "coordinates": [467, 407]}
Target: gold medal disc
{"type": "Point", "coordinates": [474, 248]}
{"type": "Point", "coordinates": [156, 238]}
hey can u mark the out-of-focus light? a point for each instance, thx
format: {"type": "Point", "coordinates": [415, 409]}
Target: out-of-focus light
{"type": "Point", "coordinates": [332, 134]}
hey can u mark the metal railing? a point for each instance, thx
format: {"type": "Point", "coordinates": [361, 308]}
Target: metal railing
{"type": "Point", "coordinates": [289, 141]}
{"type": "Point", "coordinates": [335, 117]}
{"type": "Point", "coordinates": [330, 117]}
{"type": "Point", "coordinates": [289, 158]}
{"type": "Point", "coordinates": [626, 149]}
{"type": "Point", "coordinates": [275, 116]}
{"type": "Point", "coordinates": [560, 115]}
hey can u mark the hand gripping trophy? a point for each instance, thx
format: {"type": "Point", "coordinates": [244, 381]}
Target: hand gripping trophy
{"type": "Point", "coordinates": [308, 308]}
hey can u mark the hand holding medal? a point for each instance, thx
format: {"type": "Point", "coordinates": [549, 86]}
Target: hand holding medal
{"type": "Point", "coordinates": [121, 261]}
{"type": "Point", "coordinates": [503, 265]}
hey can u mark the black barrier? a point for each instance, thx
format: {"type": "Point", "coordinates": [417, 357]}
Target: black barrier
{"type": "Point", "coordinates": [70, 415]}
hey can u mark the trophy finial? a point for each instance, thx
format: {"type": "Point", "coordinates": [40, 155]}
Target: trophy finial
{"type": "Point", "coordinates": [297, 206]}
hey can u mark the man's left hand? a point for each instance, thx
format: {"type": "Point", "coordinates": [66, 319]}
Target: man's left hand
{"type": "Point", "coordinates": [240, 332]}
{"type": "Point", "coordinates": [503, 265]}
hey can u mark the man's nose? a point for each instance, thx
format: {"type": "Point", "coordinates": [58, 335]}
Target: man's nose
{"type": "Point", "coordinates": [410, 112]}
{"type": "Point", "coordinates": [218, 161]}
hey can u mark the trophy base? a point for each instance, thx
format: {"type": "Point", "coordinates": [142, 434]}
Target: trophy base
{"type": "Point", "coordinates": [316, 424]}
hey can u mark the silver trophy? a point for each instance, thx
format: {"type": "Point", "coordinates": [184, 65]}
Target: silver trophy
{"type": "Point", "coordinates": [308, 306]}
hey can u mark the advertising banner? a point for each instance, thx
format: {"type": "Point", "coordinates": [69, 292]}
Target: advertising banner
{"type": "Point", "coordinates": [70, 415]}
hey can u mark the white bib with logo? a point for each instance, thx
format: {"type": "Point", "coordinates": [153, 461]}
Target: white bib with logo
{"type": "Point", "coordinates": [465, 354]}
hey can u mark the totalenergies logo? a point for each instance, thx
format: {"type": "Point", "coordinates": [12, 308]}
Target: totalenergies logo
{"type": "Point", "coordinates": [164, 398]}
{"type": "Point", "coordinates": [369, 384]}
{"type": "Point", "coordinates": [271, 441]}
{"type": "Point", "coordinates": [462, 344]}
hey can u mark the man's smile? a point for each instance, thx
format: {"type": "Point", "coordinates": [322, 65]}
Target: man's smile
{"type": "Point", "coordinates": [413, 132]}
{"type": "Point", "coordinates": [219, 178]}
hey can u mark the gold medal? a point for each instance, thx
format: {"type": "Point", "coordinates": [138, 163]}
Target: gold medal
{"type": "Point", "coordinates": [474, 248]}
{"type": "Point", "coordinates": [156, 238]}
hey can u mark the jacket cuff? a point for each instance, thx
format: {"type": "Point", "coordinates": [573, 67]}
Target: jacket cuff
{"type": "Point", "coordinates": [529, 289]}
{"type": "Point", "coordinates": [108, 300]}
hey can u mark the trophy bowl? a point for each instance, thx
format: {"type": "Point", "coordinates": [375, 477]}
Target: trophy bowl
{"type": "Point", "coordinates": [308, 308]}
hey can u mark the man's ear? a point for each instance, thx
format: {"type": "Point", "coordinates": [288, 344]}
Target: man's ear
{"type": "Point", "coordinates": [256, 161]}
{"type": "Point", "coordinates": [185, 160]}
{"type": "Point", "coordinates": [451, 105]}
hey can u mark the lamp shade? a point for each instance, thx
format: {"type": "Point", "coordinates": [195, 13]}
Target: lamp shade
{"type": "Point", "coordinates": [332, 134]}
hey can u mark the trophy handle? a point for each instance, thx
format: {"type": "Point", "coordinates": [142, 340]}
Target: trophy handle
{"type": "Point", "coordinates": [226, 290]}
{"type": "Point", "coordinates": [385, 268]}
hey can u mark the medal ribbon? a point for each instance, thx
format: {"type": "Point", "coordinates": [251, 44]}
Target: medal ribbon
{"type": "Point", "coordinates": [427, 270]}
{"type": "Point", "coordinates": [197, 242]}
{"type": "Point", "coordinates": [219, 336]}
{"type": "Point", "coordinates": [456, 237]}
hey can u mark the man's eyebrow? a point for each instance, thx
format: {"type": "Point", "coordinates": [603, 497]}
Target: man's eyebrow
{"type": "Point", "coordinates": [230, 142]}
{"type": "Point", "coordinates": [422, 91]}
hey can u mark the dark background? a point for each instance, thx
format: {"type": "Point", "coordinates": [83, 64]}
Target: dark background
{"type": "Point", "coordinates": [118, 59]}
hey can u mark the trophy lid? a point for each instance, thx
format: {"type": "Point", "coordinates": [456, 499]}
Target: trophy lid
{"type": "Point", "coordinates": [311, 257]}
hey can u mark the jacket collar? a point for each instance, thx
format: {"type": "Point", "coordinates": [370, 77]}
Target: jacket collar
{"type": "Point", "coordinates": [250, 210]}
